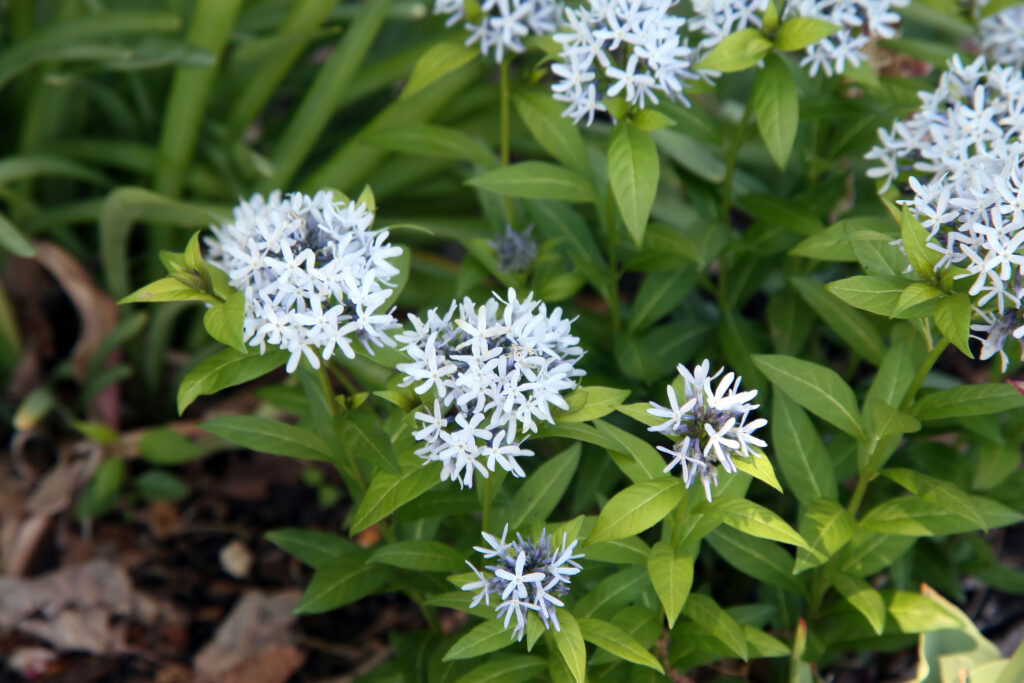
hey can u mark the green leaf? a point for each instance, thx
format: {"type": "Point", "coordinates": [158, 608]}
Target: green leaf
{"type": "Point", "coordinates": [264, 435]}
{"type": "Point", "coordinates": [426, 556]}
{"type": "Point", "coordinates": [943, 493]}
{"type": "Point", "coordinates": [915, 613]}
{"type": "Point", "coordinates": [881, 419]}
{"type": "Point", "coordinates": [953, 318]}
{"type": "Point", "coordinates": [644, 462]}
{"type": "Point", "coordinates": [224, 321]}
{"type": "Point", "coordinates": [590, 403]}
{"type": "Point", "coordinates": [225, 369]}
{"type": "Point", "coordinates": [753, 519]}
{"type": "Point", "coordinates": [360, 433]}
{"type": "Point", "coordinates": [630, 550]}
{"type": "Point", "coordinates": [879, 294]}
{"type": "Point", "coordinates": [968, 400]}
{"type": "Point", "coordinates": [650, 120]}
{"type": "Point", "coordinates": [556, 134]}
{"type": "Point", "coordinates": [760, 468]}
{"type": "Point", "coordinates": [157, 484]}
{"type": "Point", "coordinates": [170, 289]}
{"type": "Point", "coordinates": [863, 597]}
{"type": "Point", "coordinates": [805, 463]}
{"type": "Point", "coordinates": [913, 300]}
{"type": "Point", "coordinates": [512, 669]}
{"type": "Point", "coordinates": [737, 51]}
{"type": "Point", "coordinates": [540, 493]}
{"type": "Point", "coordinates": [163, 446]}
{"type": "Point", "coordinates": [776, 108]}
{"type": "Point", "coordinates": [660, 293]}
{"type": "Point", "coordinates": [13, 241]}
{"type": "Point", "coordinates": [438, 61]}
{"type": "Point", "coordinates": [342, 582]}
{"type": "Point", "coordinates": [915, 240]}
{"type": "Point", "coordinates": [671, 573]}
{"type": "Point", "coordinates": [388, 492]}
{"type": "Point", "coordinates": [536, 180]}
{"type": "Point", "coordinates": [827, 526]}
{"type": "Point", "coordinates": [704, 611]}
{"type": "Point", "coordinates": [633, 171]}
{"type": "Point", "coordinates": [316, 549]}
{"type": "Point", "coordinates": [100, 495]}
{"type": "Point", "coordinates": [815, 387]}
{"type": "Point", "coordinates": [759, 559]}
{"type": "Point", "coordinates": [619, 643]}
{"type": "Point", "coordinates": [834, 243]}
{"type": "Point", "coordinates": [636, 508]}
{"type": "Point", "coordinates": [480, 640]}
{"type": "Point", "coordinates": [848, 323]}
{"type": "Point", "coordinates": [433, 141]}
{"type": "Point", "coordinates": [568, 640]}
{"type": "Point", "coordinates": [915, 516]}
{"type": "Point", "coordinates": [797, 33]}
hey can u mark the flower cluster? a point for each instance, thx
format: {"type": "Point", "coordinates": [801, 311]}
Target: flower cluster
{"type": "Point", "coordinates": [526, 576]}
{"type": "Point", "coordinates": [495, 369]}
{"type": "Point", "coordinates": [516, 251]}
{"type": "Point", "coordinates": [1002, 35]}
{"type": "Point", "coordinates": [859, 22]}
{"type": "Point", "coordinates": [502, 24]}
{"type": "Point", "coordinates": [717, 19]}
{"type": "Point", "coordinates": [963, 152]}
{"type": "Point", "coordinates": [711, 425]}
{"type": "Point", "coordinates": [628, 47]}
{"type": "Point", "coordinates": [314, 274]}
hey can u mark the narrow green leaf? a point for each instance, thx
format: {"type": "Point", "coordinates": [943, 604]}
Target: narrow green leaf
{"type": "Point", "coordinates": [671, 573]}
{"type": "Point", "coordinates": [737, 51]}
{"type": "Point", "coordinates": [171, 289]}
{"type": "Point", "coordinates": [613, 639]}
{"type": "Point", "coordinates": [704, 611]}
{"type": "Point", "coordinates": [512, 669]}
{"type": "Point", "coordinates": [953, 318]}
{"type": "Point", "coordinates": [429, 140]}
{"type": "Point", "coordinates": [757, 558]}
{"type": "Point", "coordinates": [224, 321]}
{"type": "Point", "coordinates": [753, 519]}
{"type": "Point", "coordinates": [805, 463]}
{"type": "Point", "coordinates": [881, 419]}
{"type": "Point", "coordinates": [225, 369]}
{"type": "Point", "coordinates": [852, 326]}
{"type": "Point", "coordinates": [360, 433]}
{"type": "Point", "coordinates": [480, 640]}
{"type": "Point", "coordinates": [556, 134]}
{"type": "Point", "coordinates": [827, 526]}
{"type": "Point", "coordinates": [265, 435]}
{"type": "Point", "coordinates": [969, 400]}
{"type": "Point", "coordinates": [636, 508]}
{"type": "Point", "coordinates": [13, 241]}
{"type": "Point", "coordinates": [538, 496]}
{"type": "Point", "coordinates": [316, 549]}
{"type": "Point", "coordinates": [797, 33]}
{"type": "Point", "coordinates": [659, 294]}
{"type": "Point", "coordinates": [817, 388]}
{"type": "Point", "coordinates": [645, 462]}
{"type": "Point", "coordinates": [388, 492]}
{"type": "Point", "coordinates": [535, 180]}
{"type": "Point", "coordinates": [863, 597]}
{"type": "Point", "coordinates": [426, 556]}
{"type": "Point", "coordinates": [879, 294]}
{"type": "Point", "coordinates": [633, 172]}
{"type": "Point", "coordinates": [568, 640]}
{"type": "Point", "coordinates": [590, 403]}
{"type": "Point", "coordinates": [776, 108]}
{"type": "Point", "coordinates": [340, 583]}
{"type": "Point", "coordinates": [439, 60]}
{"type": "Point", "coordinates": [938, 491]}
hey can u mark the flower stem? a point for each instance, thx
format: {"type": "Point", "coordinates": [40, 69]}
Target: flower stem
{"type": "Point", "coordinates": [730, 160]}
{"type": "Point", "coordinates": [922, 372]}
{"type": "Point", "coordinates": [505, 134]}
{"type": "Point", "coordinates": [488, 495]}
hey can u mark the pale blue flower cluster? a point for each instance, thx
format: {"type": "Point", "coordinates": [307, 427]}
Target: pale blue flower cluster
{"type": "Point", "coordinates": [526, 577]}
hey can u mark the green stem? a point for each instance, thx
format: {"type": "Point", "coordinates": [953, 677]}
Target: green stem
{"type": "Point", "coordinates": [332, 405]}
{"type": "Point", "coordinates": [882, 445]}
{"type": "Point", "coordinates": [505, 134]}
{"type": "Point", "coordinates": [922, 372]}
{"type": "Point", "coordinates": [730, 160]}
{"type": "Point", "coordinates": [427, 611]}
{"type": "Point", "coordinates": [612, 228]}
{"type": "Point", "coordinates": [488, 495]}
